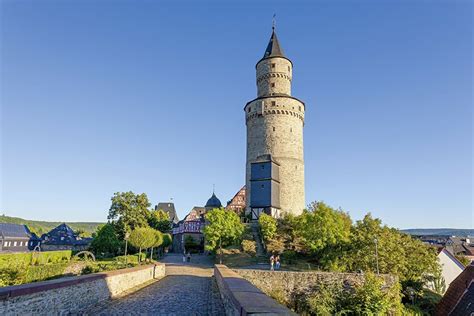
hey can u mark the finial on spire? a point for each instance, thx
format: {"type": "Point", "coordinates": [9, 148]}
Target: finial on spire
{"type": "Point", "coordinates": [213, 188]}
{"type": "Point", "coordinates": [274, 21]}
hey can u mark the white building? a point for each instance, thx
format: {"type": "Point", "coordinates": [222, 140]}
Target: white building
{"type": "Point", "coordinates": [450, 266]}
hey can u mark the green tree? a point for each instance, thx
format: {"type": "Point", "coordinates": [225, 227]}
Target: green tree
{"type": "Point", "coordinates": [142, 238]}
{"type": "Point", "coordinates": [223, 226]}
{"type": "Point", "coordinates": [268, 226]}
{"type": "Point", "coordinates": [167, 240]}
{"type": "Point", "coordinates": [158, 241]}
{"type": "Point", "coordinates": [397, 253]}
{"type": "Point", "coordinates": [190, 244]}
{"type": "Point", "coordinates": [106, 241]}
{"type": "Point", "coordinates": [160, 220]}
{"type": "Point", "coordinates": [370, 298]}
{"type": "Point", "coordinates": [463, 259]}
{"type": "Point", "coordinates": [324, 232]}
{"type": "Point", "coordinates": [129, 211]}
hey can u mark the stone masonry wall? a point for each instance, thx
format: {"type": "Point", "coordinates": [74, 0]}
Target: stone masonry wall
{"type": "Point", "coordinates": [240, 297]}
{"type": "Point", "coordinates": [73, 294]}
{"type": "Point", "coordinates": [275, 71]}
{"type": "Point", "coordinates": [277, 129]}
{"type": "Point", "coordinates": [286, 283]}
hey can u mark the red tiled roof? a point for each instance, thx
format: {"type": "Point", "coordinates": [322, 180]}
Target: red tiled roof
{"type": "Point", "coordinates": [458, 288]}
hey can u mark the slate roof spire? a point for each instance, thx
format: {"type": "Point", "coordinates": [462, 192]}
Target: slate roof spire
{"type": "Point", "coordinates": [273, 48]}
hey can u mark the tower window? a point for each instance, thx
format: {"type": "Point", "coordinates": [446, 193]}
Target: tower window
{"type": "Point", "coordinates": [273, 103]}
{"type": "Point", "coordinates": [273, 128]}
{"type": "Point", "coordinates": [273, 65]}
{"type": "Point", "coordinates": [273, 85]}
{"type": "Point", "coordinates": [291, 130]}
{"type": "Point", "coordinates": [300, 107]}
{"type": "Point", "coordinates": [288, 68]}
{"type": "Point", "coordinates": [249, 109]}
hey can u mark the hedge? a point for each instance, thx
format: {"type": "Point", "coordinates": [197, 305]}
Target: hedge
{"type": "Point", "coordinates": [26, 274]}
{"type": "Point", "coordinates": [45, 272]}
{"type": "Point", "coordinates": [9, 260]}
{"type": "Point", "coordinates": [130, 258]}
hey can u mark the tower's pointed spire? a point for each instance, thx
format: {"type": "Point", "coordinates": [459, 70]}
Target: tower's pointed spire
{"type": "Point", "coordinates": [273, 48]}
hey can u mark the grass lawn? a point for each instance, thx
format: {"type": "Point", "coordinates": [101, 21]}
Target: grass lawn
{"type": "Point", "coordinates": [233, 257]}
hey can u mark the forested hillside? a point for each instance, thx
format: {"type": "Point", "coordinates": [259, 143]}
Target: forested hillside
{"type": "Point", "coordinates": [41, 227]}
{"type": "Point", "coordinates": [440, 231]}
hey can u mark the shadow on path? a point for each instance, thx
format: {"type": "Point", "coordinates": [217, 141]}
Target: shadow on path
{"type": "Point", "coordinates": [187, 289]}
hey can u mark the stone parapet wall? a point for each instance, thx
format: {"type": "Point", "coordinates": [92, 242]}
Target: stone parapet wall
{"type": "Point", "coordinates": [240, 297]}
{"type": "Point", "coordinates": [287, 282]}
{"type": "Point", "coordinates": [74, 294]}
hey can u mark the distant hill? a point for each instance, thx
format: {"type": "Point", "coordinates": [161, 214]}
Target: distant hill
{"type": "Point", "coordinates": [440, 232]}
{"type": "Point", "coordinates": [41, 227]}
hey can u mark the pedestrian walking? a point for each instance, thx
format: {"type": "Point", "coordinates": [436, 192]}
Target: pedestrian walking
{"type": "Point", "coordinates": [272, 262]}
{"type": "Point", "coordinates": [277, 262]}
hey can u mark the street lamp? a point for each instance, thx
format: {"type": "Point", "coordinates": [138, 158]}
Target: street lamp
{"type": "Point", "coordinates": [127, 235]}
{"type": "Point", "coordinates": [376, 255]}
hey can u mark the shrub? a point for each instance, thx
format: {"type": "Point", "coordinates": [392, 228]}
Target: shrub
{"type": "Point", "coordinates": [268, 226]}
{"type": "Point", "coordinates": [249, 246]}
{"type": "Point", "coordinates": [191, 245]}
{"type": "Point", "coordinates": [12, 276]}
{"type": "Point", "coordinates": [167, 240]}
{"type": "Point", "coordinates": [106, 241]}
{"type": "Point", "coordinates": [325, 300]}
{"type": "Point", "coordinates": [369, 298]}
{"type": "Point", "coordinates": [21, 260]}
{"type": "Point", "coordinates": [45, 272]}
{"type": "Point", "coordinates": [131, 259]}
{"type": "Point", "coordinates": [335, 298]}
{"type": "Point", "coordinates": [88, 269]}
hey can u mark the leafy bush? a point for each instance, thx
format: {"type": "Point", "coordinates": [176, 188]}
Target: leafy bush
{"type": "Point", "coordinates": [21, 260]}
{"type": "Point", "coordinates": [249, 246]}
{"type": "Point", "coordinates": [167, 240]}
{"type": "Point", "coordinates": [325, 300]}
{"type": "Point", "coordinates": [26, 274]}
{"type": "Point", "coordinates": [335, 298]}
{"type": "Point", "coordinates": [268, 226]}
{"type": "Point", "coordinates": [11, 276]}
{"type": "Point", "coordinates": [463, 259]}
{"type": "Point", "coordinates": [369, 298]}
{"type": "Point", "coordinates": [130, 258]}
{"type": "Point", "coordinates": [106, 241]}
{"type": "Point", "coordinates": [45, 272]}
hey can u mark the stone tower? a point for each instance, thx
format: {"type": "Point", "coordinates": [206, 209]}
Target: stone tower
{"type": "Point", "coordinates": [275, 120]}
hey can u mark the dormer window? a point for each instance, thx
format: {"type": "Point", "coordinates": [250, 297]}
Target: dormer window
{"type": "Point", "coordinates": [273, 85]}
{"type": "Point", "coordinates": [273, 103]}
{"type": "Point", "coordinates": [273, 65]}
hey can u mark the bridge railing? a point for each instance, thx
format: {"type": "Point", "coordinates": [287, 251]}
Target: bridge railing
{"type": "Point", "coordinates": [240, 297]}
{"type": "Point", "coordinates": [74, 294]}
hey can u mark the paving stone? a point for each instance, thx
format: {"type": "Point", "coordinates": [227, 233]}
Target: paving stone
{"type": "Point", "coordinates": [187, 289]}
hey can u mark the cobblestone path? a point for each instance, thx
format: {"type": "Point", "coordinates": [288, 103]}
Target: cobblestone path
{"type": "Point", "coordinates": [187, 289]}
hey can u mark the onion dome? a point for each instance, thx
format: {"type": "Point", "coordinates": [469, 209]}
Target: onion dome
{"type": "Point", "coordinates": [213, 202]}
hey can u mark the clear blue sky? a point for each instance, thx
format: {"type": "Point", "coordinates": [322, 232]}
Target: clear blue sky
{"type": "Point", "coordinates": [106, 96]}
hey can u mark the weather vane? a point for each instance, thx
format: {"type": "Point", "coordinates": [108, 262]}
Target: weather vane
{"type": "Point", "coordinates": [274, 21]}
